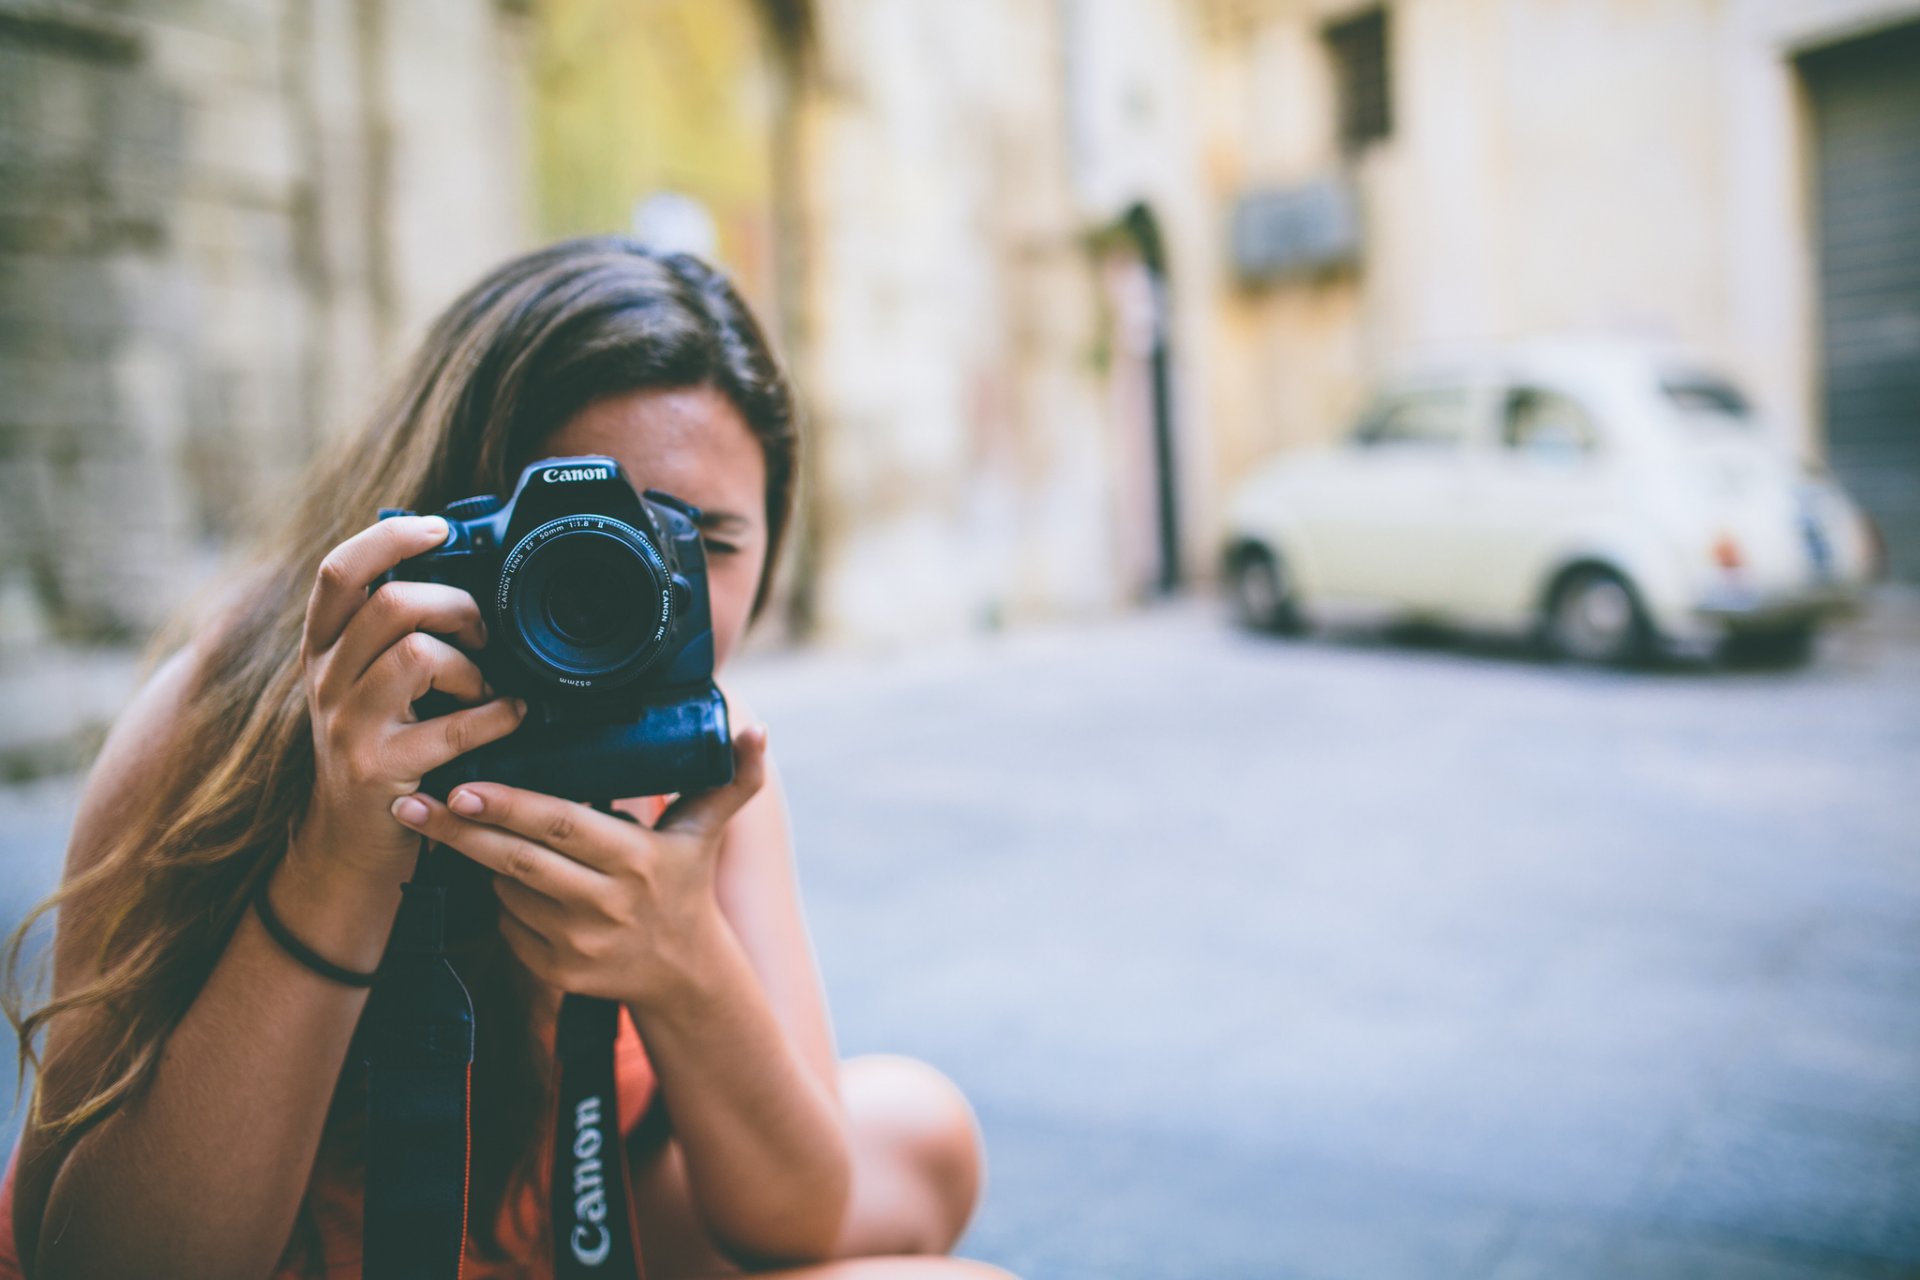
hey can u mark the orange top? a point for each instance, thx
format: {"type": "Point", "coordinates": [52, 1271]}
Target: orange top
{"type": "Point", "coordinates": [337, 1207]}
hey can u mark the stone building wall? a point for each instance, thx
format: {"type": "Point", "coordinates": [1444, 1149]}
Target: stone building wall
{"type": "Point", "coordinates": [962, 469]}
{"type": "Point", "coordinates": [220, 221]}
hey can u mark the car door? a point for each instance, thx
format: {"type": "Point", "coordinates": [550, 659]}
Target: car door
{"type": "Point", "coordinates": [1387, 518]}
{"type": "Point", "coordinates": [1533, 496]}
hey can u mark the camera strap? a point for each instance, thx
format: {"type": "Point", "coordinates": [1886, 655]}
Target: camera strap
{"type": "Point", "coordinates": [419, 1082]}
{"type": "Point", "coordinates": [420, 1038]}
{"type": "Point", "coordinates": [594, 1235]}
{"type": "Point", "coordinates": [590, 1191]}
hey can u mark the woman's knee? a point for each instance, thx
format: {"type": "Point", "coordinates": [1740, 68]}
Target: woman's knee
{"type": "Point", "coordinates": [918, 1118]}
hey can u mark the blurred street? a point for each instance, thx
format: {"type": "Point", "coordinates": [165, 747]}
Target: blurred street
{"type": "Point", "coordinates": [1344, 959]}
{"type": "Point", "coordinates": [1347, 958]}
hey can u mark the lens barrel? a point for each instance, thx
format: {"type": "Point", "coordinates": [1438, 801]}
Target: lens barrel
{"type": "Point", "coordinates": [587, 600]}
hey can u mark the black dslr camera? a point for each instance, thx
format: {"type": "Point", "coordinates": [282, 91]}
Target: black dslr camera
{"type": "Point", "coordinates": [595, 600]}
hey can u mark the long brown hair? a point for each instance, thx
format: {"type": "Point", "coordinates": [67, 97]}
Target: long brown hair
{"type": "Point", "coordinates": [507, 364]}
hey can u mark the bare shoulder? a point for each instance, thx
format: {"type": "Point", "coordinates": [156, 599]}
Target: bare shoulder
{"type": "Point", "coordinates": [132, 754]}
{"type": "Point", "coordinates": [133, 758]}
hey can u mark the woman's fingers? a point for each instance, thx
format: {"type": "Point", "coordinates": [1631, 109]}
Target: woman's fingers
{"type": "Point", "coordinates": [393, 610]}
{"type": "Point", "coordinates": [501, 852]}
{"type": "Point", "coordinates": [415, 663]}
{"type": "Point", "coordinates": [530, 946]}
{"type": "Point", "coordinates": [418, 749]}
{"type": "Point", "coordinates": [340, 586]}
{"type": "Point", "coordinates": [707, 812]}
{"type": "Point", "coordinates": [531, 907]}
{"type": "Point", "coordinates": [585, 835]}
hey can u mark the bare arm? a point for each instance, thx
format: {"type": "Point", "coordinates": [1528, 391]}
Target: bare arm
{"type": "Point", "coordinates": [759, 893]}
{"type": "Point", "coordinates": [201, 1174]}
{"type": "Point", "coordinates": [778, 988]}
{"type": "Point", "coordinates": [746, 1058]}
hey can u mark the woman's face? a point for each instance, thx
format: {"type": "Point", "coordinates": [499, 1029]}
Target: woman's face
{"type": "Point", "coordinates": [690, 442]}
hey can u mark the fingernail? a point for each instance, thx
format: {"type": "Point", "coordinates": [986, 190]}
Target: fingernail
{"type": "Point", "coordinates": [410, 810]}
{"type": "Point", "coordinates": [465, 802]}
{"type": "Point", "coordinates": [486, 690]}
{"type": "Point", "coordinates": [520, 706]}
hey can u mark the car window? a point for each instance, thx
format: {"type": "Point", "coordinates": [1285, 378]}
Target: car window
{"type": "Point", "coordinates": [1546, 424]}
{"type": "Point", "coordinates": [1424, 419]}
{"type": "Point", "coordinates": [1707, 401]}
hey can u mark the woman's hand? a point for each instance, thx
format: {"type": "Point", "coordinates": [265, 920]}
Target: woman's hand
{"type": "Point", "coordinates": [594, 904]}
{"type": "Point", "coordinates": [366, 658]}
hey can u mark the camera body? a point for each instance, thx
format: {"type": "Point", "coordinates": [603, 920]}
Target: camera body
{"type": "Point", "coordinates": [597, 611]}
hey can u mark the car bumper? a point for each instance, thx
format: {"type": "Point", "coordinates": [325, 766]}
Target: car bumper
{"type": "Point", "coordinates": [1736, 609]}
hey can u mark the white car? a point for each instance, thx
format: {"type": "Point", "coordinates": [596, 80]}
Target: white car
{"type": "Point", "coordinates": [1609, 497]}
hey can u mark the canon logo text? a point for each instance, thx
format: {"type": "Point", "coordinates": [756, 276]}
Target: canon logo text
{"type": "Point", "coordinates": [560, 475]}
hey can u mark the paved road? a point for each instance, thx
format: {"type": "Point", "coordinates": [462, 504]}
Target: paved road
{"type": "Point", "coordinates": [1349, 958]}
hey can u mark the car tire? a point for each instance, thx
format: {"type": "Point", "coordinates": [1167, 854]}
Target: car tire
{"type": "Point", "coordinates": [1262, 591]}
{"type": "Point", "coordinates": [1779, 647]}
{"type": "Point", "coordinates": [1595, 616]}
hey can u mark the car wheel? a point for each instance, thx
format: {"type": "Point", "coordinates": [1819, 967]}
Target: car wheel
{"type": "Point", "coordinates": [1263, 597]}
{"type": "Point", "coordinates": [1781, 647]}
{"type": "Point", "coordinates": [1595, 616]}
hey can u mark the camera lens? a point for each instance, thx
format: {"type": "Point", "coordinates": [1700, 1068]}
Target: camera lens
{"type": "Point", "coordinates": [593, 594]}
{"type": "Point", "coordinates": [587, 599]}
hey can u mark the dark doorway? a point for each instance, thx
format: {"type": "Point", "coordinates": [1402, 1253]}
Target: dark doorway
{"type": "Point", "coordinates": [1866, 110]}
{"type": "Point", "coordinates": [1143, 230]}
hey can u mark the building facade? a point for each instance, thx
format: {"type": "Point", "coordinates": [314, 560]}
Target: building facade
{"type": "Point", "coordinates": [1051, 276]}
{"type": "Point", "coordinates": [219, 221]}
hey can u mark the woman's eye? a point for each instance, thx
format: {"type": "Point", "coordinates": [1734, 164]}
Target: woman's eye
{"type": "Point", "coordinates": [719, 548]}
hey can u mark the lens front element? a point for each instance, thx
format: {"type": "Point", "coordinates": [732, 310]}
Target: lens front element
{"type": "Point", "coordinates": [586, 599]}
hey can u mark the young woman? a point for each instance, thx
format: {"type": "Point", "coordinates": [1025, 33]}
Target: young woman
{"type": "Point", "coordinates": [197, 1112]}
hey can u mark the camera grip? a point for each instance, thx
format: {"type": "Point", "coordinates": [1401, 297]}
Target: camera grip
{"type": "Point", "coordinates": [665, 748]}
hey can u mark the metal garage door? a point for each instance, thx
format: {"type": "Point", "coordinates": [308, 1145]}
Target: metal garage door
{"type": "Point", "coordinates": [1866, 102]}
